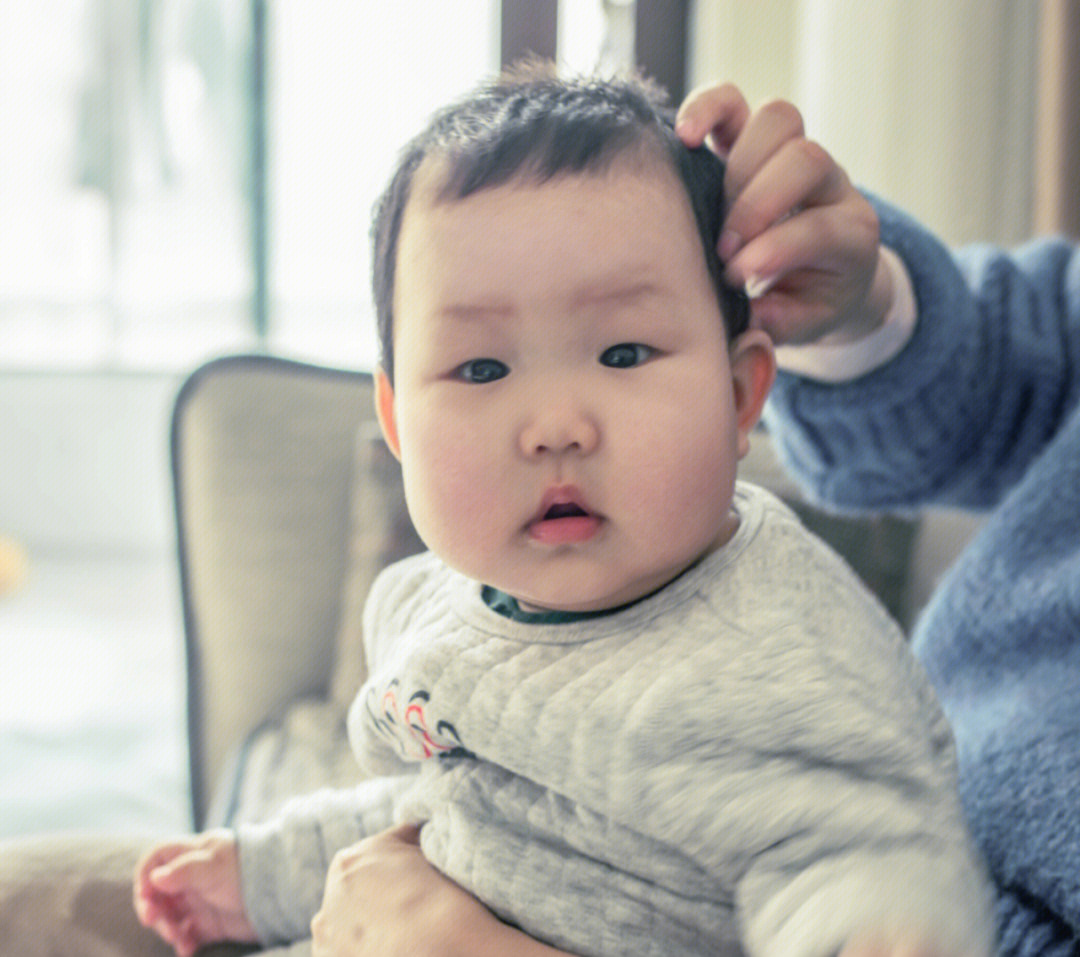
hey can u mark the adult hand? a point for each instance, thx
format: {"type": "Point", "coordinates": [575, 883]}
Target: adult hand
{"type": "Point", "coordinates": [383, 899]}
{"type": "Point", "coordinates": [798, 235]}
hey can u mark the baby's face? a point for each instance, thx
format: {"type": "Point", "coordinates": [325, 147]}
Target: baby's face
{"type": "Point", "coordinates": [564, 404]}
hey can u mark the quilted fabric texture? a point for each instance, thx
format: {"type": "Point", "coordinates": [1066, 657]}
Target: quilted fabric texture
{"type": "Point", "coordinates": [307, 749]}
{"type": "Point", "coordinates": [752, 746]}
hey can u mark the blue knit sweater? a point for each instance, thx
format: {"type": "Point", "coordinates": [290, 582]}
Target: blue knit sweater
{"type": "Point", "coordinates": [980, 410]}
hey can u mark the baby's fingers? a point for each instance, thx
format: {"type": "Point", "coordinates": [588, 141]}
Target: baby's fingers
{"type": "Point", "coordinates": [150, 908]}
{"type": "Point", "coordinates": [147, 897]}
{"type": "Point", "coordinates": [163, 917]}
{"type": "Point", "coordinates": [176, 876]}
{"type": "Point", "coordinates": [187, 939]}
{"type": "Point", "coordinates": [155, 858]}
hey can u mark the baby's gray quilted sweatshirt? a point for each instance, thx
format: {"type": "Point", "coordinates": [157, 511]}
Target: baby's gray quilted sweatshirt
{"type": "Point", "coordinates": [749, 760]}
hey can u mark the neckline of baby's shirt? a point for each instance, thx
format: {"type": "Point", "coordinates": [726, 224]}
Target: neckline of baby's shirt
{"type": "Point", "coordinates": [469, 606]}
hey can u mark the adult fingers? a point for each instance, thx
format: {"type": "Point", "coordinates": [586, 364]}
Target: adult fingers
{"type": "Point", "coordinates": [806, 273]}
{"type": "Point", "coordinates": [800, 174]}
{"type": "Point", "coordinates": [765, 132]}
{"type": "Point", "coordinates": [786, 316]}
{"type": "Point", "coordinates": [717, 112]}
{"type": "Point", "coordinates": [834, 237]}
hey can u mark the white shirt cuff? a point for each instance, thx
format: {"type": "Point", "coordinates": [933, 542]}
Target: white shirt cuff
{"type": "Point", "coordinates": [833, 363]}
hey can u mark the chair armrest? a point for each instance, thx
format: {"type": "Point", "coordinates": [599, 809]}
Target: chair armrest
{"type": "Point", "coordinates": [262, 454]}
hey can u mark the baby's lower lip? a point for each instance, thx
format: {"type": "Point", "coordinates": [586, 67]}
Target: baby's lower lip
{"type": "Point", "coordinates": [564, 531]}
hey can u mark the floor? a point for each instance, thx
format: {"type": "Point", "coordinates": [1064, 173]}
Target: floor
{"type": "Point", "coordinates": [91, 698]}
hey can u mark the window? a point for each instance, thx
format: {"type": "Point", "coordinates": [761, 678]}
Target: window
{"type": "Point", "coordinates": [182, 176]}
{"type": "Point", "coordinates": [123, 207]}
{"type": "Point", "coordinates": [344, 94]}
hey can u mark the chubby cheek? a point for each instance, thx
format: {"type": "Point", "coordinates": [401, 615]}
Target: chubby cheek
{"type": "Point", "coordinates": [684, 475]}
{"type": "Point", "coordinates": [452, 489]}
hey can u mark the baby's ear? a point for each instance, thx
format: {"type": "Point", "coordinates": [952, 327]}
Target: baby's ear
{"type": "Point", "coordinates": [384, 411]}
{"type": "Point", "coordinates": [753, 369]}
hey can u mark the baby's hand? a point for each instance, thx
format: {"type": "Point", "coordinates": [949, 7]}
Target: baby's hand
{"type": "Point", "coordinates": [188, 892]}
{"type": "Point", "coordinates": [798, 235]}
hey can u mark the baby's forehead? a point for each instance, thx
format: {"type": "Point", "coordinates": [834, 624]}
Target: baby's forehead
{"type": "Point", "coordinates": [576, 239]}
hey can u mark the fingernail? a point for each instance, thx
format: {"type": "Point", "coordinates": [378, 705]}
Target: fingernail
{"type": "Point", "coordinates": [683, 127]}
{"type": "Point", "coordinates": [729, 244]}
{"type": "Point", "coordinates": [757, 286]}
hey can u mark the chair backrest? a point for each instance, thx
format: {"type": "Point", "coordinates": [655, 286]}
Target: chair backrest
{"type": "Point", "coordinates": [262, 452]}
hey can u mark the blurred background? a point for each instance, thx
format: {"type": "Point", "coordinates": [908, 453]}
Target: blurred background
{"type": "Point", "coordinates": [180, 179]}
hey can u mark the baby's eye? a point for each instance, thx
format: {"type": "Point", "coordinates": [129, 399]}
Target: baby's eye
{"type": "Point", "coordinates": [626, 355]}
{"type": "Point", "coordinates": [479, 371]}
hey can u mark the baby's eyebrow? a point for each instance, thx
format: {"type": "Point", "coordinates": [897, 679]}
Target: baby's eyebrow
{"type": "Point", "coordinates": [471, 312]}
{"type": "Point", "coordinates": [602, 294]}
{"type": "Point", "coordinates": [617, 292]}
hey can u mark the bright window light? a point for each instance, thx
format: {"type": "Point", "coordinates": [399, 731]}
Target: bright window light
{"type": "Point", "coordinates": [126, 236]}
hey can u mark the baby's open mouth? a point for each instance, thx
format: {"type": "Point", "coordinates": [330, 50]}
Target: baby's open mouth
{"type": "Point", "coordinates": [564, 522]}
{"type": "Point", "coordinates": [564, 510]}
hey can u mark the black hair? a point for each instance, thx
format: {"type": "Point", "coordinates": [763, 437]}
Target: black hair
{"type": "Point", "coordinates": [531, 123]}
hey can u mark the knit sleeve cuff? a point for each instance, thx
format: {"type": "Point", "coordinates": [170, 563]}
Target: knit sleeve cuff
{"type": "Point", "coordinates": [842, 363]}
{"type": "Point", "coordinates": [876, 441]}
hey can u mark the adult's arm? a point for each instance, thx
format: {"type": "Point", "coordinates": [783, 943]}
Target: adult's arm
{"type": "Point", "coordinates": [987, 378]}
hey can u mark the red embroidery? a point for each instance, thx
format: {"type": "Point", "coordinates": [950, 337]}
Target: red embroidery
{"type": "Point", "coordinates": [409, 732]}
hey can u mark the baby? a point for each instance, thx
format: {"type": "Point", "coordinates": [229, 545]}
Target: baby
{"type": "Point", "coordinates": [637, 709]}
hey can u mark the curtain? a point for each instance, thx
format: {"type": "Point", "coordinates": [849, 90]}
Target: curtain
{"type": "Point", "coordinates": [1057, 152]}
{"type": "Point", "coordinates": [931, 105]}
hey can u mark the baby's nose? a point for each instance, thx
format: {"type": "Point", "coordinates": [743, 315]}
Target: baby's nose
{"type": "Point", "coordinates": [557, 428]}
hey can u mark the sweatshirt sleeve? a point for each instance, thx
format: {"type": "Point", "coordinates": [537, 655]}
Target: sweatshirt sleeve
{"type": "Point", "coordinates": [814, 913]}
{"type": "Point", "coordinates": [862, 833]}
{"type": "Point", "coordinates": [284, 862]}
{"type": "Point", "coordinates": [859, 828]}
{"type": "Point", "coordinates": [832, 784]}
{"type": "Point", "coordinates": [988, 377]}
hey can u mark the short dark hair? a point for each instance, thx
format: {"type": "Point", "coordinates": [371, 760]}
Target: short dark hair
{"type": "Point", "coordinates": [529, 122]}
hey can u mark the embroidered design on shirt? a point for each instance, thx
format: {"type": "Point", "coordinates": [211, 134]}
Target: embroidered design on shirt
{"type": "Point", "coordinates": [409, 730]}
